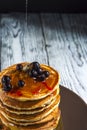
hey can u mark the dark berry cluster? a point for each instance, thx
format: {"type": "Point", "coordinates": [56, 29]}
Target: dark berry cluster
{"type": "Point", "coordinates": [37, 72]}
{"type": "Point", "coordinates": [34, 70]}
{"type": "Point", "coordinates": [6, 83]}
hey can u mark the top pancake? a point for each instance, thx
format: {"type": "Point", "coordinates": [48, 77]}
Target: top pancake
{"type": "Point", "coordinates": [32, 90]}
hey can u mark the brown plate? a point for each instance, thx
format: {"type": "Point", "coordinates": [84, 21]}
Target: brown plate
{"type": "Point", "coordinates": [74, 111]}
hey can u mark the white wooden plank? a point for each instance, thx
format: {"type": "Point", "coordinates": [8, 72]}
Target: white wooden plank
{"type": "Point", "coordinates": [77, 60]}
{"type": "Point", "coordinates": [0, 41]}
{"type": "Point", "coordinates": [10, 52]}
{"type": "Point", "coordinates": [65, 51]}
{"type": "Point", "coordinates": [34, 40]}
{"type": "Point", "coordinates": [21, 43]}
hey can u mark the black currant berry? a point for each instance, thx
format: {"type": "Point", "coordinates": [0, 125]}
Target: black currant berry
{"type": "Point", "coordinates": [40, 71]}
{"type": "Point", "coordinates": [46, 73]}
{"type": "Point", "coordinates": [34, 73]}
{"type": "Point", "coordinates": [35, 65]}
{"type": "Point", "coordinates": [7, 87]}
{"type": "Point", "coordinates": [41, 77]}
{"type": "Point", "coordinates": [5, 79]}
{"type": "Point", "coordinates": [21, 83]}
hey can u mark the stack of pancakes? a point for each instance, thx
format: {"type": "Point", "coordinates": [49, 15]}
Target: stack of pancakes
{"type": "Point", "coordinates": [29, 109]}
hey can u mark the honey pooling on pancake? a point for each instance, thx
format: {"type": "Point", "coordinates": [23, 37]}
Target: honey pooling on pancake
{"type": "Point", "coordinates": [28, 75]}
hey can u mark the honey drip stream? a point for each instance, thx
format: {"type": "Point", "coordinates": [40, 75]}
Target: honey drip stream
{"type": "Point", "coordinates": [26, 12]}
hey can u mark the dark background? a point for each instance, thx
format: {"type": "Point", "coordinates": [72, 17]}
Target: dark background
{"type": "Point", "coordinates": [44, 6]}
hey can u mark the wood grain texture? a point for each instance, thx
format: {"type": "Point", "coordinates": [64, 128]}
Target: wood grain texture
{"type": "Point", "coordinates": [59, 40]}
{"type": "Point", "coordinates": [0, 41]}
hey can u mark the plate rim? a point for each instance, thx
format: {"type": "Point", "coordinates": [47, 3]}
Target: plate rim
{"type": "Point", "coordinates": [72, 92]}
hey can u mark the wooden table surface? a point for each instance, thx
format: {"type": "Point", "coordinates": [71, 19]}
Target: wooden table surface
{"type": "Point", "coordinates": [59, 40]}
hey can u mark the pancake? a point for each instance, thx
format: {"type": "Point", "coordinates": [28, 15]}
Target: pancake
{"type": "Point", "coordinates": [33, 111]}
{"type": "Point", "coordinates": [29, 97]}
{"type": "Point", "coordinates": [54, 116]}
{"type": "Point", "coordinates": [31, 85]}
{"type": "Point", "coordinates": [28, 105]}
{"type": "Point", "coordinates": [48, 125]}
{"type": "Point", "coordinates": [49, 117]}
{"type": "Point", "coordinates": [30, 117]}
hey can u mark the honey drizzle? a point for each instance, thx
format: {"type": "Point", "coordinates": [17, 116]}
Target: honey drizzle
{"type": "Point", "coordinates": [37, 90]}
{"type": "Point", "coordinates": [31, 87]}
{"type": "Point", "coordinates": [48, 87]}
